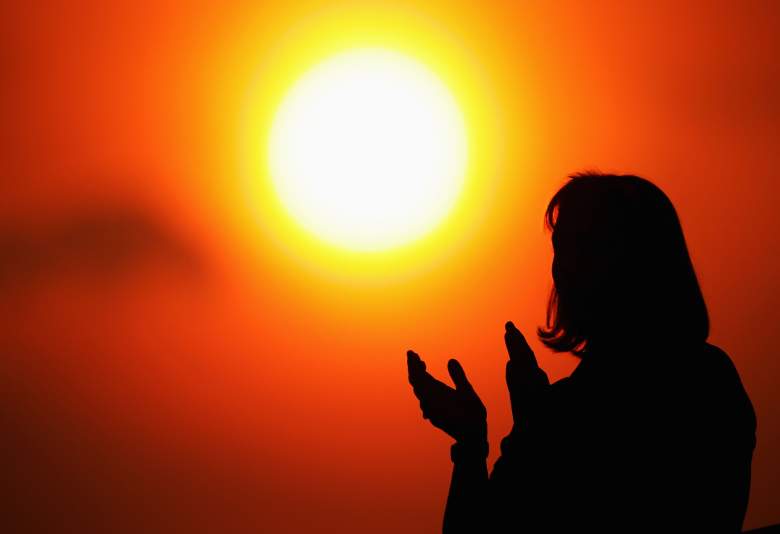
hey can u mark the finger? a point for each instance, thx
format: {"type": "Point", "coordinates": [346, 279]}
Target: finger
{"type": "Point", "coordinates": [513, 376]}
{"type": "Point", "coordinates": [516, 345]}
{"type": "Point", "coordinates": [415, 366]}
{"type": "Point", "coordinates": [458, 375]}
{"type": "Point", "coordinates": [514, 391]}
{"type": "Point", "coordinates": [414, 359]}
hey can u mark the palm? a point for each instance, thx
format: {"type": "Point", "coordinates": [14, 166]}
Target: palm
{"type": "Point", "coordinates": [457, 411]}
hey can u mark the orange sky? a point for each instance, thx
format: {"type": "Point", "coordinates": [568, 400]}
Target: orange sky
{"type": "Point", "coordinates": [168, 365]}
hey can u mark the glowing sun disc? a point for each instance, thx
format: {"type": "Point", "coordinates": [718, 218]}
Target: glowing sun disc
{"type": "Point", "coordinates": [368, 150]}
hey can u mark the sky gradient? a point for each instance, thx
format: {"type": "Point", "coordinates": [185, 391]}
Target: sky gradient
{"type": "Point", "coordinates": [173, 362]}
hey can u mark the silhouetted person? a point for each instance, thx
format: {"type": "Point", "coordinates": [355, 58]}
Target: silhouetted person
{"type": "Point", "coordinates": [653, 430]}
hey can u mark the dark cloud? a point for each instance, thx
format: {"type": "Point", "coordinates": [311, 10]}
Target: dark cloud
{"type": "Point", "coordinates": [100, 241]}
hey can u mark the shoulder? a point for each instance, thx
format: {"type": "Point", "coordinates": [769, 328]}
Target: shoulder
{"type": "Point", "coordinates": [718, 357]}
{"type": "Point", "coordinates": [720, 378]}
{"type": "Point", "coordinates": [715, 366]}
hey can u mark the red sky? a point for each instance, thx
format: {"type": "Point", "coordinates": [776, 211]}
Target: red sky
{"type": "Point", "coordinates": [167, 366]}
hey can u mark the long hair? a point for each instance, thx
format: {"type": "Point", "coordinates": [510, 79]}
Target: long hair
{"type": "Point", "coordinates": [621, 268]}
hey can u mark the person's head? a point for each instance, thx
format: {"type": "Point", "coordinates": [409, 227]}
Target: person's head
{"type": "Point", "coordinates": [621, 270]}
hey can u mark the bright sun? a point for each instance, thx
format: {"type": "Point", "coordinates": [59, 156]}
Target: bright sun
{"type": "Point", "coordinates": [368, 150]}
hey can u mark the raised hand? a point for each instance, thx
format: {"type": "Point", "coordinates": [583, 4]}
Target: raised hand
{"type": "Point", "coordinates": [524, 379]}
{"type": "Point", "coordinates": [459, 412]}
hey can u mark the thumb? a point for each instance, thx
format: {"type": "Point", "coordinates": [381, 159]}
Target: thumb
{"type": "Point", "coordinates": [458, 375]}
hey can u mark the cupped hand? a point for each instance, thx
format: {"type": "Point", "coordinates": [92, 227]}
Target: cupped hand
{"type": "Point", "coordinates": [457, 411]}
{"type": "Point", "coordinates": [524, 379]}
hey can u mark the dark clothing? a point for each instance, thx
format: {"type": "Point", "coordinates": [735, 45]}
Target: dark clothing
{"type": "Point", "coordinates": [658, 442]}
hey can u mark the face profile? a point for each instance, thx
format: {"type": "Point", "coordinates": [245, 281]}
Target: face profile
{"type": "Point", "coordinates": [621, 268]}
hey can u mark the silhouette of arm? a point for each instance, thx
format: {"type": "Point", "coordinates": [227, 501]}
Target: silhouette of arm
{"type": "Point", "coordinates": [460, 413]}
{"type": "Point", "coordinates": [509, 496]}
